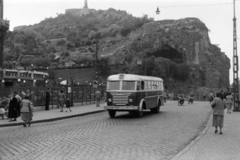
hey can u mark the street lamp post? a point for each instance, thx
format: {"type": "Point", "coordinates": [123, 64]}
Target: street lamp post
{"type": "Point", "coordinates": [60, 80]}
{"type": "Point", "coordinates": [34, 82]}
{"type": "Point", "coordinates": [144, 57]}
{"type": "Point", "coordinates": [70, 86]}
{"type": "Point", "coordinates": [235, 63]}
{"type": "Point", "coordinates": [96, 60]}
{"type": "Point", "coordinates": [2, 82]}
{"type": "Point", "coordinates": [19, 81]}
{"type": "Point", "coordinates": [96, 56]}
{"type": "Point", "coordinates": [24, 82]}
{"type": "Point", "coordinates": [139, 63]}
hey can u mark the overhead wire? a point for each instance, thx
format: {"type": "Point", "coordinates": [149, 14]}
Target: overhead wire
{"type": "Point", "coordinates": [216, 13]}
{"type": "Point", "coordinates": [198, 5]}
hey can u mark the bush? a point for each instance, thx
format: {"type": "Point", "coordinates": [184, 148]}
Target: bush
{"type": "Point", "coordinates": [125, 31]}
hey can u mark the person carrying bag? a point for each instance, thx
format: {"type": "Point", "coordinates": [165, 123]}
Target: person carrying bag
{"type": "Point", "coordinates": [218, 105]}
{"type": "Point", "coordinates": [26, 111]}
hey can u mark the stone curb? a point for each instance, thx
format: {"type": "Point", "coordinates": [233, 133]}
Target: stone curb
{"type": "Point", "coordinates": [51, 119]}
{"type": "Point", "coordinates": [195, 140]}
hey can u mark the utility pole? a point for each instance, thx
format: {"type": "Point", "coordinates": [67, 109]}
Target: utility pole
{"type": "Point", "coordinates": [235, 62]}
{"type": "Point", "coordinates": [96, 61]}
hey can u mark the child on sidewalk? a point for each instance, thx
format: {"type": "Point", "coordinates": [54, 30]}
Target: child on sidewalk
{"type": "Point", "coordinates": [4, 108]}
{"type": "Point", "coordinates": [2, 113]}
{"type": "Point", "coordinates": [68, 105]}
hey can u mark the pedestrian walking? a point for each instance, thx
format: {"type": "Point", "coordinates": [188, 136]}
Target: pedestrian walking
{"type": "Point", "coordinates": [26, 111]}
{"type": "Point", "coordinates": [61, 100]}
{"type": "Point", "coordinates": [222, 94]}
{"type": "Point", "coordinates": [105, 96]}
{"type": "Point", "coordinates": [14, 108]}
{"type": "Point", "coordinates": [4, 102]}
{"type": "Point", "coordinates": [47, 99]}
{"type": "Point", "coordinates": [229, 103]}
{"type": "Point", "coordinates": [68, 105]}
{"type": "Point", "coordinates": [211, 97]}
{"type": "Point", "coordinates": [2, 109]}
{"type": "Point", "coordinates": [165, 97]}
{"type": "Point", "coordinates": [98, 98]}
{"type": "Point", "coordinates": [218, 105]}
{"type": "Point", "coordinates": [19, 98]}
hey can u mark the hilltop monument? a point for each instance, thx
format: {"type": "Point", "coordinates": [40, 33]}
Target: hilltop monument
{"type": "Point", "coordinates": [79, 12]}
{"type": "Point", "coordinates": [85, 4]}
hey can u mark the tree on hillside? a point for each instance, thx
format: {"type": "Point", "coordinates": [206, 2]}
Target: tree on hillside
{"type": "Point", "coordinates": [31, 40]}
{"type": "Point", "coordinates": [103, 65]}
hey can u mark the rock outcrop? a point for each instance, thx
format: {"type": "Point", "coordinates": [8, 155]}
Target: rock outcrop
{"type": "Point", "coordinates": [184, 41]}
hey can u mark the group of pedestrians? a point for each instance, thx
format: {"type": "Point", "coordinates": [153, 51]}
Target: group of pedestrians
{"type": "Point", "coordinates": [219, 104]}
{"type": "Point", "coordinates": [63, 100]}
{"type": "Point", "coordinates": [15, 106]}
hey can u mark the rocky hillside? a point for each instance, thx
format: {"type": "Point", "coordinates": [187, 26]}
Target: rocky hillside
{"type": "Point", "coordinates": [179, 51]}
{"type": "Point", "coordinates": [182, 41]}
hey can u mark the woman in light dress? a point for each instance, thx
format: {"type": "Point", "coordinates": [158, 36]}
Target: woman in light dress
{"type": "Point", "coordinates": [218, 105]}
{"type": "Point", "coordinates": [26, 111]}
{"type": "Point", "coordinates": [61, 100]}
{"type": "Point", "coordinates": [229, 103]}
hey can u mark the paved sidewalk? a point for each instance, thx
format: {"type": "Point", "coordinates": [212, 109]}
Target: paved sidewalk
{"type": "Point", "coordinates": [55, 114]}
{"type": "Point", "coordinates": [211, 146]}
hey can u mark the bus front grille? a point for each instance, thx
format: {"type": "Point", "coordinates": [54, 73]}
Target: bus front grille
{"type": "Point", "coordinates": [120, 99]}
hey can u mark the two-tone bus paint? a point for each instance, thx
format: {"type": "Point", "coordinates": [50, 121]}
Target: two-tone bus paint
{"type": "Point", "coordinates": [133, 93]}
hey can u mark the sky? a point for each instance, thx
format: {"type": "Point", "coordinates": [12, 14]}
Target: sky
{"type": "Point", "coordinates": [216, 14]}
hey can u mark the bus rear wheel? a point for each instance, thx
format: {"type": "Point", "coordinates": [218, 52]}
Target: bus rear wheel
{"type": "Point", "coordinates": [112, 113]}
{"type": "Point", "coordinates": [140, 113]}
{"type": "Point", "coordinates": [156, 109]}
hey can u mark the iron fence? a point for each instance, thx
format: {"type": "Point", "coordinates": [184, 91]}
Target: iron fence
{"type": "Point", "coordinates": [78, 95]}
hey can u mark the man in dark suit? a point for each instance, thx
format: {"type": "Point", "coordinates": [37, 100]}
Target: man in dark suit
{"type": "Point", "coordinates": [47, 99]}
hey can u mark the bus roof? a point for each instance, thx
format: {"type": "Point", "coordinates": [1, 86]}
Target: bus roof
{"type": "Point", "coordinates": [132, 77]}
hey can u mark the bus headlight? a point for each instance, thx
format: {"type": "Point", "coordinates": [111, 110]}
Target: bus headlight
{"type": "Point", "coordinates": [109, 100]}
{"type": "Point", "coordinates": [130, 100]}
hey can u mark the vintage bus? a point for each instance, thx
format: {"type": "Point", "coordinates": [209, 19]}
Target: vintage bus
{"type": "Point", "coordinates": [133, 93]}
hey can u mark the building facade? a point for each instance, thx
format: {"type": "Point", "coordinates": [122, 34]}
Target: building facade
{"type": "Point", "coordinates": [79, 12]}
{"type": "Point", "coordinates": [23, 78]}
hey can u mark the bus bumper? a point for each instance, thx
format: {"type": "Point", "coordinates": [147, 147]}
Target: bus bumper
{"type": "Point", "coordinates": [125, 108]}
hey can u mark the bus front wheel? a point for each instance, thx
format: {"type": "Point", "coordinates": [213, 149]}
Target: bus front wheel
{"type": "Point", "coordinates": [112, 113]}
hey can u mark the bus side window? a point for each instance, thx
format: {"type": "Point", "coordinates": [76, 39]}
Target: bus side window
{"type": "Point", "coordinates": [142, 85]}
{"type": "Point", "coordinates": [156, 85]}
{"type": "Point", "coordinates": [138, 85]}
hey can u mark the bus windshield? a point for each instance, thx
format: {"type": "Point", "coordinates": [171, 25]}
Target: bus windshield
{"type": "Point", "coordinates": [113, 85]}
{"type": "Point", "coordinates": [128, 85]}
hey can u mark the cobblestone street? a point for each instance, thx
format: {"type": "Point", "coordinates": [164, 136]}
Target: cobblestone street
{"type": "Point", "coordinates": [97, 137]}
